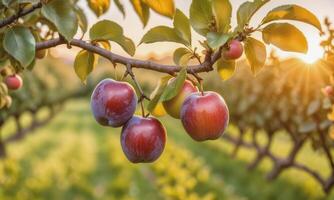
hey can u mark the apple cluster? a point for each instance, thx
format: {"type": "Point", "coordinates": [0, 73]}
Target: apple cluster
{"type": "Point", "coordinates": [204, 114]}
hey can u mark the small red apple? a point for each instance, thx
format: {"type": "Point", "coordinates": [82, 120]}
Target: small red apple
{"type": "Point", "coordinates": [143, 139]}
{"type": "Point", "coordinates": [173, 106]}
{"type": "Point", "coordinates": [14, 82]}
{"type": "Point", "coordinates": [113, 103]}
{"type": "Point", "coordinates": [328, 91]}
{"type": "Point", "coordinates": [204, 116]}
{"type": "Point", "coordinates": [235, 50]}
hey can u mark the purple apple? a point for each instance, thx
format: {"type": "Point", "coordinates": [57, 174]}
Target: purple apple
{"type": "Point", "coordinates": [113, 103]}
{"type": "Point", "coordinates": [143, 139]}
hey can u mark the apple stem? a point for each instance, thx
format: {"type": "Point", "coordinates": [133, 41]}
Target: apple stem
{"type": "Point", "coordinates": [133, 77]}
{"type": "Point", "coordinates": [142, 108]}
{"type": "Point", "coordinates": [199, 81]}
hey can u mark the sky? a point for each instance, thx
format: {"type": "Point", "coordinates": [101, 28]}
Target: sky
{"type": "Point", "coordinates": [133, 28]}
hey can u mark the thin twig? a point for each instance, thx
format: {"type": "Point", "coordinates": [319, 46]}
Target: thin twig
{"type": "Point", "coordinates": [133, 77]}
{"type": "Point", "coordinates": [20, 14]}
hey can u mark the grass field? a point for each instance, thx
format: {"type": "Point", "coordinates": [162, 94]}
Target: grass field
{"type": "Point", "coordinates": [74, 158]}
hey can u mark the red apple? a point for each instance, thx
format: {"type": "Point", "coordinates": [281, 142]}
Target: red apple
{"type": "Point", "coordinates": [173, 106]}
{"type": "Point", "coordinates": [13, 82]}
{"type": "Point", "coordinates": [328, 91]}
{"type": "Point", "coordinates": [143, 139]}
{"type": "Point", "coordinates": [235, 50]}
{"type": "Point", "coordinates": [204, 116]}
{"type": "Point", "coordinates": [113, 103]}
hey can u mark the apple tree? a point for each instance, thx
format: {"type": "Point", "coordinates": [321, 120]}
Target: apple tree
{"type": "Point", "coordinates": [29, 28]}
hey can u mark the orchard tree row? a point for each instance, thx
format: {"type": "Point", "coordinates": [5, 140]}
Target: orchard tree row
{"type": "Point", "coordinates": [41, 100]}
{"type": "Point", "coordinates": [287, 97]}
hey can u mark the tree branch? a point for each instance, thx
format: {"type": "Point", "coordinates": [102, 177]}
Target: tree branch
{"type": "Point", "coordinates": [206, 66]}
{"type": "Point", "coordinates": [21, 13]}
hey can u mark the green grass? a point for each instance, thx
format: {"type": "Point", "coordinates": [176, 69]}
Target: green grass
{"type": "Point", "coordinates": [107, 175]}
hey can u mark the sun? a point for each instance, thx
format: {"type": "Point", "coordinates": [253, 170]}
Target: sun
{"type": "Point", "coordinates": [311, 57]}
{"type": "Point", "coordinates": [315, 51]}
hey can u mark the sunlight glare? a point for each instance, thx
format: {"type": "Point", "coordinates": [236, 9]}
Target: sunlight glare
{"type": "Point", "coordinates": [315, 52]}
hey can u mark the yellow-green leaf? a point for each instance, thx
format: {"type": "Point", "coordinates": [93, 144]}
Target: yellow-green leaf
{"type": "Point", "coordinates": [256, 54]}
{"type": "Point", "coordinates": [120, 7]}
{"type": "Point", "coordinates": [247, 10]}
{"type": "Point", "coordinates": [142, 10]}
{"type": "Point", "coordinates": [99, 7]}
{"type": "Point", "coordinates": [162, 34]}
{"type": "Point", "coordinates": [292, 12]}
{"type": "Point", "coordinates": [156, 94]}
{"type": "Point", "coordinates": [182, 56]}
{"type": "Point", "coordinates": [105, 30]}
{"type": "Point", "coordinates": [182, 26]}
{"type": "Point", "coordinates": [286, 37]}
{"type": "Point", "coordinates": [201, 16]}
{"type": "Point", "coordinates": [127, 44]}
{"type": "Point", "coordinates": [163, 7]}
{"type": "Point", "coordinates": [175, 86]}
{"type": "Point", "coordinates": [109, 30]}
{"type": "Point", "coordinates": [84, 64]}
{"type": "Point", "coordinates": [225, 68]}
{"type": "Point", "coordinates": [222, 9]}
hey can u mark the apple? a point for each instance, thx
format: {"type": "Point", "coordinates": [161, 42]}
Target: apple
{"type": "Point", "coordinates": [143, 139]}
{"type": "Point", "coordinates": [13, 82]}
{"type": "Point", "coordinates": [328, 91]}
{"type": "Point", "coordinates": [235, 50]}
{"type": "Point", "coordinates": [204, 116]}
{"type": "Point", "coordinates": [173, 106]}
{"type": "Point", "coordinates": [113, 103]}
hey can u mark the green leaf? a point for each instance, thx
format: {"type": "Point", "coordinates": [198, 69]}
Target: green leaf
{"type": "Point", "coordinates": [20, 44]}
{"type": "Point", "coordinates": [256, 54]}
{"type": "Point", "coordinates": [82, 20]}
{"type": "Point", "coordinates": [182, 26]}
{"type": "Point", "coordinates": [247, 10]}
{"type": "Point", "coordinates": [182, 56]}
{"type": "Point", "coordinates": [84, 64]}
{"type": "Point", "coordinates": [222, 10]}
{"type": "Point", "coordinates": [286, 37]}
{"type": "Point", "coordinates": [142, 10]}
{"type": "Point", "coordinates": [62, 15]}
{"type": "Point", "coordinates": [163, 7]}
{"type": "Point", "coordinates": [201, 16]}
{"type": "Point", "coordinates": [156, 95]}
{"type": "Point", "coordinates": [225, 68]}
{"type": "Point", "coordinates": [162, 34]}
{"type": "Point", "coordinates": [175, 85]}
{"type": "Point", "coordinates": [109, 30]}
{"type": "Point", "coordinates": [292, 12]}
{"type": "Point", "coordinates": [216, 40]}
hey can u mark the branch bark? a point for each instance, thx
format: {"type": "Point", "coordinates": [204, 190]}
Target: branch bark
{"type": "Point", "coordinates": [20, 14]}
{"type": "Point", "coordinates": [206, 66]}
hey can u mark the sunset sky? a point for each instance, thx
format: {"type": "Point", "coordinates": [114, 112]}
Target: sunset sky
{"type": "Point", "coordinates": [134, 29]}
